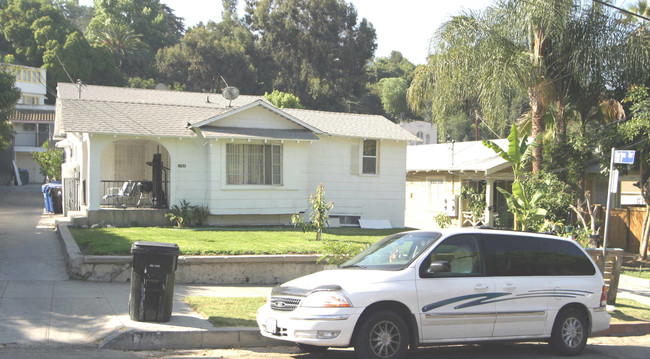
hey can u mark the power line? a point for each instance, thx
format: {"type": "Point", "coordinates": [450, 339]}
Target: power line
{"type": "Point", "coordinates": [621, 10]}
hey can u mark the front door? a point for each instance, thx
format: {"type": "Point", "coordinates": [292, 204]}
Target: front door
{"type": "Point", "coordinates": [455, 303]}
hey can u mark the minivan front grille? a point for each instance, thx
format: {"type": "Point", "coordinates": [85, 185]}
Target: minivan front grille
{"type": "Point", "coordinates": [284, 304]}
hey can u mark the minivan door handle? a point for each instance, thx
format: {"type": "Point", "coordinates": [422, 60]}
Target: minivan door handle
{"type": "Point", "coordinates": [509, 287]}
{"type": "Point", "coordinates": [481, 287]}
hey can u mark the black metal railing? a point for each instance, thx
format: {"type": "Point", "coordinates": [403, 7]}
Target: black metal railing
{"type": "Point", "coordinates": [134, 194]}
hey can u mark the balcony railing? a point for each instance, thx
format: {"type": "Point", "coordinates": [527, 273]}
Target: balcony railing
{"type": "Point", "coordinates": [31, 139]}
{"type": "Point", "coordinates": [134, 194]}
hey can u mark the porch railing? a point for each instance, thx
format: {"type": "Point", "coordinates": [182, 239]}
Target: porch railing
{"type": "Point", "coordinates": [133, 194]}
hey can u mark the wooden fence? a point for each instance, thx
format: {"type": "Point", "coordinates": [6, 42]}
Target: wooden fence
{"type": "Point", "coordinates": [625, 228]}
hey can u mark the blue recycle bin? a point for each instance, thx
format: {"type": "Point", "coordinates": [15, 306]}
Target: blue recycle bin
{"type": "Point", "coordinates": [49, 190]}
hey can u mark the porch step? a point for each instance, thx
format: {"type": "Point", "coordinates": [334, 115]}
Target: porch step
{"type": "Point", "coordinates": [78, 219]}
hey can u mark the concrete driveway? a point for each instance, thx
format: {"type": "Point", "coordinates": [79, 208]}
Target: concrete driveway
{"type": "Point", "coordinates": [29, 248]}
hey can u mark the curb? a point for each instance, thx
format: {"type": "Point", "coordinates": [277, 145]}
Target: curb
{"type": "Point", "coordinates": [222, 338]}
{"type": "Point", "coordinates": [228, 338]}
{"type": "Point", "coordinates": [625, 329]}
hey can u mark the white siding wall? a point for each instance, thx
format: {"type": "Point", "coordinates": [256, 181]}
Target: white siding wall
{"type": "Point", "coordinates": [257, 117]}
{"type": "Point", "coordinates": [335, 162]}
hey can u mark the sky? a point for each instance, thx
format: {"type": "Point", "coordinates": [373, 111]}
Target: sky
{"type": "Point", "coordinates": [403, 25]}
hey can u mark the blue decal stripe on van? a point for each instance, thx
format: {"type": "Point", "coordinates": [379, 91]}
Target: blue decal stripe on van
{"type": "Point", "coordinates": [481, 299]}
{"type": "Point", "coordinates": [496, 297]}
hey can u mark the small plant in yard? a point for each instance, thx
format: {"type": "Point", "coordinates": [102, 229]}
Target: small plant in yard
{"type": "Point", "coordinates": [200, 214]}
{"type": "Point", "coordinates": [442, 220]}
{"type": "Point", "coordinates": [181, 215]}
{"type": "Point", "coordinates": [319, 216]}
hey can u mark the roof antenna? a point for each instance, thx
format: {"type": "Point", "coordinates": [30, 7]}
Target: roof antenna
{"type": "Point", "coordinates": [229, 92]}
{"type": "Point", "coordinates": [79, 84]}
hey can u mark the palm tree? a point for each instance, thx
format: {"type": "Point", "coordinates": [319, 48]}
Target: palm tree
{"type": "Point", "coordinates": [121, 40]}
{"type": "Point", "coordinates": [641, 8]}
{"type": "Point", "coordinates": [555, 52]}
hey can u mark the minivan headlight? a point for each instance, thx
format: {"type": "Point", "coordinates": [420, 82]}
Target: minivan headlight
{"type": "Point", "coordinates": [326, 299]}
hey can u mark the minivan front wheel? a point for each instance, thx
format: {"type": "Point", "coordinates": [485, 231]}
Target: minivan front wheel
{"type": "Point", "coordinates": [570, 331]}
{"type": "Point", "coordinates": [383, 335]}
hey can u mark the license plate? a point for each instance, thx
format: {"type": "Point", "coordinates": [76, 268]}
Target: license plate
{"type": "Point", "coordinates": [271, 326]}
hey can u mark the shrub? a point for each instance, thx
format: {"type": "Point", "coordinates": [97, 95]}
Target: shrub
{"type": "Point", "coordinates": [181, 215]}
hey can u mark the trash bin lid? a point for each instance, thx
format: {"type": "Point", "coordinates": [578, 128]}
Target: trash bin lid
{"type": "Point", "coordinates": [142, 247]}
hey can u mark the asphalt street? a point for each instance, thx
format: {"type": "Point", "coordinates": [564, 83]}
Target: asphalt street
{"type": "Point", "coordinates": [598, 348]}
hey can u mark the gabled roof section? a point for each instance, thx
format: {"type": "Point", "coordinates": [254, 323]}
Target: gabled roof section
{"type": "Point", "coordinates": [353, 125]}
{"type": "Point", "coordinates": [470, 156]}
{"type": "Point", "coordinates": [261, 103]}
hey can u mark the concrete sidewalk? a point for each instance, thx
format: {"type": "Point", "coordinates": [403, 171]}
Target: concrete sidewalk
{"type": "Point", "coordinates": [79, 313]}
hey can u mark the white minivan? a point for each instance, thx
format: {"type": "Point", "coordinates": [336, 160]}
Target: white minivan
{"type": "Point", "coordinates": [422, 288]}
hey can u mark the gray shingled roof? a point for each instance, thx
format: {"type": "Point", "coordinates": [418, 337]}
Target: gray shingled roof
{"type": "Point", "coordinates": [353, 125]}
{"type": "Point", "coordinates": [127, 111]}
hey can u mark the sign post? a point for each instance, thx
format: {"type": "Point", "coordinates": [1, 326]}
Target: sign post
{"type": "Point", "coordinates": [618, 157]}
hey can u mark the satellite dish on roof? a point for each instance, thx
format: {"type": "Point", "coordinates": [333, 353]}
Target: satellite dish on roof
{"type": "Point", "coordinates": [161, 87]}
{"type": "Point", "coordinates": [230, 93]}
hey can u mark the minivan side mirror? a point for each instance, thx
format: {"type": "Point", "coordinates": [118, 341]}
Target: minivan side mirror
{"type": "Point", "coordinates": [439, 267]}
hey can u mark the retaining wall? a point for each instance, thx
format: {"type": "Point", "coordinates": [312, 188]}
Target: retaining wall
{"type": "Point", "coordinates": [258, 269]}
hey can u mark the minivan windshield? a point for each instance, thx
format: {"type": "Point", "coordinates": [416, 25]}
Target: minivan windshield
{"type": "Point", "coordinates": [394, 252]}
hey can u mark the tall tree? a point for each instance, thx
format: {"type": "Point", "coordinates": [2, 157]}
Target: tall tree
{"type": "Point", "coordinates": [204, 57]}
{"type": "Point", "coordinates": [317, 49]}
{"type": "Point", "coordinates": [78, 15]}
{"type": "Point", "coordinates": [152, 21]}
{"type": "Point", "coordinates": [393, 96]}
{"type": "Point", "coordinates": [9, 95]}
{"type": "Point", "coordinates": [39, 35]}
{"type": "Point", "coordinates": [637, 129]}
{"type": "Point", "coordinates": [122, 42]}
{"type": "Point", "coordinates": [501, 51]}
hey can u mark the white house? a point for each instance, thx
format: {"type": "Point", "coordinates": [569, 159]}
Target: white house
{"type": "Point", "coordinates": [436, 173]}
{"type": "Point", "coordinates": [426, 131]}
{"type": "Point", "coordinates": [246, 160]}
{"type": "Point", "coordinates": [32, 122]}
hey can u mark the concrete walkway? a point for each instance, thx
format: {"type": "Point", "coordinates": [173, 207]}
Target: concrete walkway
{"type": "Point", "coordinates": [40, 307]}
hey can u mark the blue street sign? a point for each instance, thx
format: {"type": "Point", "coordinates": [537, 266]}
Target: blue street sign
{"type": "Point", "coordinates": [624, 157]}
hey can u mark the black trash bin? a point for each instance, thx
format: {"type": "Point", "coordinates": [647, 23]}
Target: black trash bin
{"type": "Point", "coordinates": [152, 281]}
{"type": "Point", "coordinates": [57, 199]}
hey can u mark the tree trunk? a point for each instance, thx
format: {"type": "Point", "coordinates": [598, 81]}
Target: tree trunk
{"type": "Point", "coordinates": [538, 125]}
{"type": "Point", "coordinates": [644, 187]}
{"type": "Point", "coordinates": [560, 123]}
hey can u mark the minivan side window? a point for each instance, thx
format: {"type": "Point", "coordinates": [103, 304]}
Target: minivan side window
{"type": "Point", "coordinates": [459, 253]}
{"type": "Point", "coordinates": [534, 256]}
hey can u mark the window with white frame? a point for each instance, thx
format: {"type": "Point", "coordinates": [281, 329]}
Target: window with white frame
{"type": "Point", "coordinates": [436, 194]}
{"type": "Point", "coordinates": [369, 157]}
{"type": "Point", "coordinates": [251, 164]}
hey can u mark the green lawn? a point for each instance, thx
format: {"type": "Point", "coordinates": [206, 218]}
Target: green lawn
{"type": "Point", "coordinates": [636, 271]}
{"type": "Point", "coordinates": [227, 312]}
{"type": "Point", "coordinates": [241, 312]}
{"type": "Point", "coordinates": [630, 310]}
{"type": "Point", "coordinates": [221, 241]}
